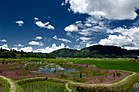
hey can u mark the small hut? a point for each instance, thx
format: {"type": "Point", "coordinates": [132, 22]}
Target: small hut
{"type": "Point", "coordinates": [137, 58]}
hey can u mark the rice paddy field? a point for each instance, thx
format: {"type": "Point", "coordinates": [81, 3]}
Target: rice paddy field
{"type": "Point", "coordinates": [80, 70]}
{"type": "Point", "coordinates": [42, 86]}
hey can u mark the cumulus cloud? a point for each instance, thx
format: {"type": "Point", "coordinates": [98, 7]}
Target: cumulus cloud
{"type": "Point", "coordinates": [71, 28]}
{"type": "Point", "coordinates": [25, 49]}
{"type": "Point", "coordinates": [126, 38]}
{"type": "Point", "coordinates": [4, 46]}
{"type": "Point", "coordinates": [131, 33]}
{"type": "Point", "coordinates": [62, 39]}
{"type": "Point", "coordinates": [3, 40]}
{"type": "Point", "coordinates": [116, 10]}
{"type": "Point", "coordinates": [51, 48]}
{"type": "Point", "coordinates": [35, 43]}
{"type": "Point", "coordinates": [41, 24]}
{"type": "Point", "coordinates": [50, 27]}
{"type": "Point", "coordinates": [116, 40]}
{"type": "Point", "coordinates": [38, 38]}
{"type": "Point", "coordinates": [20, 23]}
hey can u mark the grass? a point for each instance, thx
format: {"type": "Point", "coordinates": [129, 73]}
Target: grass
{"type": "Point", "coordinates": [42, 86]}
{"type": "Point", "coordinates": [109, 63]}
{"type": "Point", "coordinates": [4, 85]}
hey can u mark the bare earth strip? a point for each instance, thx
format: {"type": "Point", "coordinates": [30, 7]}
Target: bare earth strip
{"type": "Point", "coordinates": [68, 87]}
{"type": "Point", "coordinates": [12, 85]}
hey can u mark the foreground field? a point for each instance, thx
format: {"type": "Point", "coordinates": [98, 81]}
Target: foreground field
{"type": "Point", "coordinates": [78, 70]}
{"type": "Point", "coordinates": [43, 86]}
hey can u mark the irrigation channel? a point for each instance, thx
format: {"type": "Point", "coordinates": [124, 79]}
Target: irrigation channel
{"type": "Point", "coordinates": [56, 69]}
{"type": "Point", "coordinates": [135, 87]}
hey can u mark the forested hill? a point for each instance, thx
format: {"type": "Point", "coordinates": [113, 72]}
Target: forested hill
{"type": "Point", "coordinates": [96, 51]}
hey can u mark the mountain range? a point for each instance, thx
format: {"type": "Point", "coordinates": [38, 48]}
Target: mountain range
{"type": "Point", "coordinates": [96, 51]}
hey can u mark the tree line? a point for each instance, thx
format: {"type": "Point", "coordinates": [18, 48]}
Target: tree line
{"type": "Point", "coordinates": [21, 54]}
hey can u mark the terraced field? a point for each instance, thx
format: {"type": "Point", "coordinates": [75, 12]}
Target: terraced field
{"type": "Point", "coordinates": [74, 72]}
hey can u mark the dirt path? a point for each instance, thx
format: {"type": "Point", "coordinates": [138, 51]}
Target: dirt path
{"type": "Point", "coordinates": [68, 87]}
{"type": "Point", "coordinates": [12, 85]}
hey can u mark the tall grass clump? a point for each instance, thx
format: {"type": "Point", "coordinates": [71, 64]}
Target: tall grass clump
{"type": "Point", "coordinates": [4, 85]}
{"type": "Point", "coordinates": [43, 86]}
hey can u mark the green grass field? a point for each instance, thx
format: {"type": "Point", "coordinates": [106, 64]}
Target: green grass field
{"type": "Point", "coordinates": [42, 86]}
{"type": "Point", "coordinates": [120, 64]}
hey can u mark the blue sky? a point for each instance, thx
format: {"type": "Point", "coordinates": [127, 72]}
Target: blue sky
{"type": "Point", "coordinates": [47, 25]}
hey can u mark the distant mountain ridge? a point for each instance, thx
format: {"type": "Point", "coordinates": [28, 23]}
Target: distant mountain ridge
{"type": "Point", "coordinates": [96, 51]}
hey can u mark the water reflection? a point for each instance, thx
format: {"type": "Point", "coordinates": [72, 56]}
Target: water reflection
{"type": "Point", "coordinates": [53, 68]}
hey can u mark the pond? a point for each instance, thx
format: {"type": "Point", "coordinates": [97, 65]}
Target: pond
{"type": "Point", "coordinates": [55, 69]}
{"type": "Point", "coordinates": [135, 87]}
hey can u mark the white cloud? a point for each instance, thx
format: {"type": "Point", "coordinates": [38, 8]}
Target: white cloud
{"type": "Point", "coordinates": [85, 39]}
{"type": "Point", "coordinates": [3, 40]}
{"type": "Point", "coordinates": [110, 9]}
{"type": "Point", "coordinates": [4, 46]}
{"type": "Point", "coordinates": [88, 44]}
{"type": "Point", "coordinates": [38, 38]}
{"type": "Point", "coordinates": [132, 47]}
{"type": "Point", "coordinates": [35, 43]}
{"type": "Point", "coordinates": [131, 33]}
{"type": "Point", "coordinates": [70, 35]}
{"type": "Point", "coordinates": [129, 37]}
{"type": "Point", "coordinates": [18, 45]}
{"type": "Point", "coordinates": [41, 24]}
{"type": "Point", "coordinates": [20, 22]}
{"type": "Point", "coordinates": [71, 28]}
{"type": "Point", "coordinates": [89, 31]}
{"type": "Point", "coordinates": [50, 27]}
{"type": "Point", "coordinates": [50, 49]}
{"type": "Point", "coordinates": [62, 39]}
{"type": "Point", "coordinates": [35, 18]}
{"type": "Point", "coordinates": [25, 49]}
{"type": "Point", "coordinates": [88, 27]}
{"type": "Point", "coordinates": [116, 41]}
